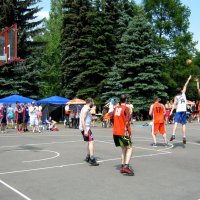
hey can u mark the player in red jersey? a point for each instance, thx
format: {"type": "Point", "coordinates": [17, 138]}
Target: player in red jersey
{"type": "Point", "coordinates": [122, 134]}
{"type": "Point", "coordinates": [157, 111]}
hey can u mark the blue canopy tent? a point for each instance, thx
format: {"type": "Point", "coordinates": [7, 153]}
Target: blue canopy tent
{"type": "Point", "coordinates": [54, 100]}
{"type": "Point", "coordinates": [13, 98]}
{"type": "Point", "coordinates": [54, 107]}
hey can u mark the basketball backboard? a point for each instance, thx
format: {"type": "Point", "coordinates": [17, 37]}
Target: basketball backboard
{"type": "Point", "coordinates": [8, 45]}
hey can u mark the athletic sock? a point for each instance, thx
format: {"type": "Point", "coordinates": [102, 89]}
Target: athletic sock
{"type": "Point", "coordinates": [92, 157]}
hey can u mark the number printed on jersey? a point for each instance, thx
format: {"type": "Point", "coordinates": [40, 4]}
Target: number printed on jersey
{"type": "Point", "coordinates": [158, 109]}
{"type": "Point", "coordinates": [118, 111]}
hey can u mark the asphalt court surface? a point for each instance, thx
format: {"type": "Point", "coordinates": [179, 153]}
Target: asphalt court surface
{"type": "Point", "coordinates": [50, 166]}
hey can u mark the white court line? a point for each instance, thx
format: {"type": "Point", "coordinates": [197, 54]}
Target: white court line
{"type": "Point", "coordinates": [77, 164]}
{"type": "Point", "coordinates": [14, 190]}
{"type": "Point", "coordinates": [39, 136]}
{"type": "Point", "coordinates": [38, 144]}
{"type": "Point", "coordinates": [161, 150]}
{"type": "Point", "coordinates": [141, 156]}
{"type": "Point", "coordinates": [193, 143]}
{"type": "Point", "coordinates": [50, 158]}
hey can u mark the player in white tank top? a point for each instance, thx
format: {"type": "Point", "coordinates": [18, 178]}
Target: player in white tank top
{"type": "Point", "coordinates": [85, 128]}
{"type": "Point", "coordinates": [180, 102]}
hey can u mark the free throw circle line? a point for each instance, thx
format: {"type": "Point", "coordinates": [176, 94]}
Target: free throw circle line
{"type": "Point", "coordinates": [49, 158]}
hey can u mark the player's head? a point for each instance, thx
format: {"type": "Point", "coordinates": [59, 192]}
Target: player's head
{"type": "Point", "coordinates": [156, 99]}
{"type": "Point", "coordinates": [179, 91]}
{"type": "Point", "coordinates": [123, 98]}
{"type": "Point", "coordinates": [90, 102]}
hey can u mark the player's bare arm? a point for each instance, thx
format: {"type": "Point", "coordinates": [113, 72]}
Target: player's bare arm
{"type": "Point", "coordinates": [151, 110]}
{"type": "Point", "coordinates": [186, 84]}
{"type": "Point", "coordinates": [197, 80]}
{"type": "Point", "coordinates": [174, 105]}
{"type": "Point", "coordinates": [83, 119]}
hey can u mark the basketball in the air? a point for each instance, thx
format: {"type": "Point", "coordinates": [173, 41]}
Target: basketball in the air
{"type": "Point", "coordinates": [188, 62]}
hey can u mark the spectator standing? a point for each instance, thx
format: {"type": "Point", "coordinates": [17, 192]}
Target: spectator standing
{"type": "Point", "coordinates": [3, 118]}
{"type": "Point", "coordinates": [26, 117]}
{"type": "Point", "coordinates": [19, 116]}
{"type": "Point", "coordinates": [33, 113]}
{"type": "Point", "coordinates": [10, 115]}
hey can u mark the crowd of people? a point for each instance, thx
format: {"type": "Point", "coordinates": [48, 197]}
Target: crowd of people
{"type": "Point", "coordinates": [21, 115]}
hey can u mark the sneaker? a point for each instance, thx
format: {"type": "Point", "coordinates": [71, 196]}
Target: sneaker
{"type": "Point", "coordinates": [87, 159]}
{"type": "Point", "coordinates": [128, 171]}
{"type": "Point", "coordinates": [122, 170]}
{"type": "Point", "coordinates": [154, 145]}
{"type": "Point", "coordinates": [184, 140]}
{"type": "Point", "coordinates": [172, 138]}
{"type": "Point", "coordinates": [168, 144]}
{"type": "Point", "coordinates": [93, 162]}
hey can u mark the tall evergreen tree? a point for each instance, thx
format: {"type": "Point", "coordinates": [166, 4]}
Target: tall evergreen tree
{"type": "Point", "coordinates": [103, 22]}
{"type": "Point", "coordinates": [74, 44]}
{"type": "Point", "coordinates": [128, 11]}
{"type": "Point", "coordinates": [140, 64]}
{"type": "Point", "coordinates": [88, 51]}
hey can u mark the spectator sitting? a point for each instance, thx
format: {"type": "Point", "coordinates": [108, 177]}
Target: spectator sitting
{"type": "Point", "coordinates": [51, 124]}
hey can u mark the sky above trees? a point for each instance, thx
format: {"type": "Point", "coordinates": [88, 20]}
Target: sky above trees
{"type": "Point", "coordinates": [194, 6]}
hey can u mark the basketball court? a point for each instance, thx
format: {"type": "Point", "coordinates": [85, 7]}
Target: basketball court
{"type": "Point", "coordinates": [50, 166]}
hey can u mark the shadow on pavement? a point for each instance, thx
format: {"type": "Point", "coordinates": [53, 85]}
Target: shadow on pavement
{"type": "Point", "coordinates": [180, 144]}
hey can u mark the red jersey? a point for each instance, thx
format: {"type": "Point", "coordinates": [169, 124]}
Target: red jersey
{"type": "Point", "coordinates": [199, 106]}
{"type": "Point", "coordinates": [121, 120]}
{"type": "Point", "coordinates": [158, 113]}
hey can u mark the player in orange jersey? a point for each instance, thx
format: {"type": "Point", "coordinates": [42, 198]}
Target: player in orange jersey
{"type": "Point", "coordinates": [122, 134]}
{"type": "Point", "coordinates": [157, 111]}
{"type": "Point", "coordinates": [198, 89]}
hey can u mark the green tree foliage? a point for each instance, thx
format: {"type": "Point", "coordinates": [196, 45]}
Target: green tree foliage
{"type": "Point", "coordinates": [51, 52]}
{"type": "Point", "coordinates": [170, 18]}
{"type": "Point", "coordinates": [89, 49]}
{"type": "Point", "coordinates": [140, 64]}
{"type": "Point", "coordinates": [74, 45]}
{"type": "Point", "coordinates": [22, 78]}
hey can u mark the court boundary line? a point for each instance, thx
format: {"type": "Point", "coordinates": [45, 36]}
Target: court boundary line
{"type": "Point", "coordinates": [44, 159]}
{"type": "Point", "coordinates": [38, 144]}
{"type": "Point", "coordinates": [138, 147]}
{"type": "Point", "coordinates": [14, 190]}
{"type": "Point", "coordinates": [77, 164]}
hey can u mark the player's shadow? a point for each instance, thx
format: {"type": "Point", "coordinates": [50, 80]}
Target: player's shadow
{"type": "Point", "coordinates": [178, 144]}
{"type": "Point", "coordinates": [198, 142]}
{"type": "Point", "coordinates": [30, 148]}
{"type": "Point", "coordinates": [27, 147]}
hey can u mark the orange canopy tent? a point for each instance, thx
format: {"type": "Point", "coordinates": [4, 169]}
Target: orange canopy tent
{"type": "Point", "coordinates": [76, 102]}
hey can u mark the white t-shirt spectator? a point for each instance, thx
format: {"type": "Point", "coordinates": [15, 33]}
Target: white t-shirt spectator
{"type": "Point", "coordinates": [33, 111]}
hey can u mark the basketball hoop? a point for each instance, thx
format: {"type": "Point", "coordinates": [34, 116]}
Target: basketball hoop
{"type": "Point", "coordinates": [8, 46]}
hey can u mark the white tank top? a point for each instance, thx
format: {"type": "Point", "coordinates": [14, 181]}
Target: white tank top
{"type": "Point", "coordinates": [182, 103]}
{"type": "Point", "coordinates": [88, 117]}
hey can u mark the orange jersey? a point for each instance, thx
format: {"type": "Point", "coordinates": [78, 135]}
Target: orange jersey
{"type": "Point", "coordinates": [121, 120]}
{"type": "Point", "coordinates": [158, 113]}
{"type": "Point", "coordinates": [199, 106]}
{"type": "Point", "coordinates": [107, 116]}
